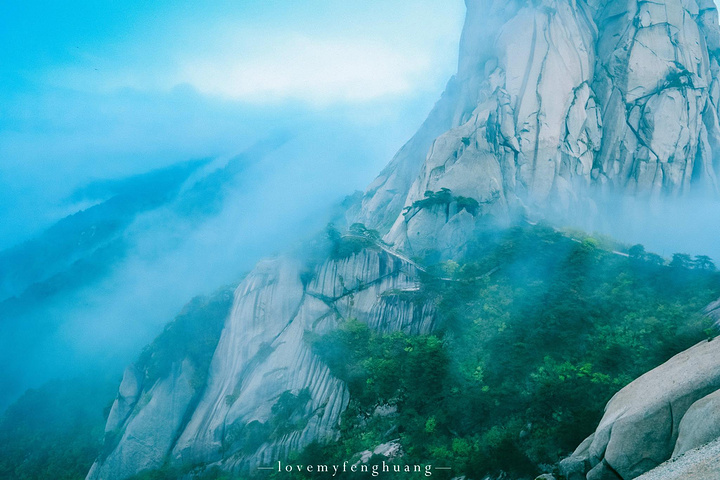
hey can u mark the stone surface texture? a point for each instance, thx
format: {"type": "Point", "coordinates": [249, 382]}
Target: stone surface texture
{"type": "Point", "coordinates": [561, 106]}
{"type": "Point", "coordinates": [665, 413]}
{"type": "Point", "coordinates": [262, 353]}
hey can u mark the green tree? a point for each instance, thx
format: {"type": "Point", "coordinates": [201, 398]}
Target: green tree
{"type": "Point", "coordinates": [681, 260]}
{"type": "Point", "coordinates": [703, 262]}
{"type": "Point", "coordinates": [637, 252]}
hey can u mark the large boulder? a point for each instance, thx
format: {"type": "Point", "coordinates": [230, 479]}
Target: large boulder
{"type": "Point", "coordinates": [700, 425]}
{"type": "Point", "coordinates": [641, 423]}
{"type": "Point", "coordinates": [575, 466]}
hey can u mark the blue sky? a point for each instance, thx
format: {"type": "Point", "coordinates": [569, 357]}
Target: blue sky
{"type": "Point", "coordinates": [94, 90]}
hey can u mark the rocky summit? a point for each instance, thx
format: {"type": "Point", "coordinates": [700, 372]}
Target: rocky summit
{"type": "Point", "coordinates": [558, 108]}
{"type": "Point", "coordinates": [561, 107]}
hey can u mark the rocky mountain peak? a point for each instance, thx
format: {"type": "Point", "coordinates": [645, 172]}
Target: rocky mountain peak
{"type": "Point", "coordinates": [560, 107]}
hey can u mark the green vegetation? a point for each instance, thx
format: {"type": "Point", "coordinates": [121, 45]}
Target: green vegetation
{"type": "Point", "coordinates": [170, 473]}
{"type": "Point", "coordinates": [288, 415]}
{"type": "Point", "coordinates": [55, 431]}
{"type": "Point", "coordinates": [524, 361]}
{"type": "Point", "coordinates": [444, 198]}
{"type": "Point", "coordinates": [515, 376]}
{"type": "Point", "coordinates": [679, 79]}
{"type": "Point", "coordinates": [357, 239]}
{"type": "Point", "coordinates": [193, 336]}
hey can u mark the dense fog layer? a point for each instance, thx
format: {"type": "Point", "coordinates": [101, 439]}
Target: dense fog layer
{"type": "Point", "coordinates": [152, 153]}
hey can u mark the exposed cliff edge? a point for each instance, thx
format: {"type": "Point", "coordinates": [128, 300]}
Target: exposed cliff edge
{"type": "Point", "coordinates": [562, 107]}
{"type": "Point", "coordinates": [261, 364]}
{"type": "Point", "coordinates": [557, 106]}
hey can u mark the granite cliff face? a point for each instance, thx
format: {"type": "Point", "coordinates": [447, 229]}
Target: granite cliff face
{"type": "Point", "coordinates": [564, 107]}
{"type": "Point", "coordinates": [557, 107]}
{"type": "Point", "coordinates": [261, 355]}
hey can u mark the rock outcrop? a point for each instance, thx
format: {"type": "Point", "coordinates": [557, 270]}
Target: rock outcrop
{"type": "Point", "coordinates": [700, 425]}
{"type": "Point", "coordinates": [661, 415]}
{"type": "Point", "coordinates": [150, 432]}
{"type": "Point", "coordinates": [262, 357]}
{"type": "Point", "coordinates": [384, 198]}
{"type": "Point", "coordinates": [565, 105]}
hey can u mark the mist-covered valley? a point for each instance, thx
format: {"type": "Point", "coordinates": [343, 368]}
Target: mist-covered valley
{"type": "Point", "coordinates": [126, 190]}
{"type": "Point", "coordinates": [158, 238]}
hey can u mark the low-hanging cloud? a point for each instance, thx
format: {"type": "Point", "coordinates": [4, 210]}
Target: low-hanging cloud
{"type": "Point", "coordinates": [314, 70]}
{"type": "Point", "coordinates": [93, 98]}
{"type": "Point", "coordinates": [339, 54]}
{"type": "Point", "coordinates": [110, 98]}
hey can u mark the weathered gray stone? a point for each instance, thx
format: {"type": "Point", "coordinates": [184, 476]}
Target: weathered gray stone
{"type": "Point", "coordinates": [603, 471]}
{"type": "Point", "coordinates": [128, 395]}
{"type": "Point", "coordinates": [262, 353]}
{"type": "Point", "coordinates": [388, 450]}
{"type": "Point", "coordinates": [700, 425]}
{"type": "Point", "coordinates": [384, 197]}
{"type": "Point", "coordinates": [699, 464]}
{"type": "Point", "coordinates": [713, 311]}
{"type": "Point", "coordinates": [148, 434]}
{"type": "Point", "coordinates": [578, 464]}
{"type": "Point", "coordinates": [562, 105]}
{"type": "Point", "coordinates": [640, 427]}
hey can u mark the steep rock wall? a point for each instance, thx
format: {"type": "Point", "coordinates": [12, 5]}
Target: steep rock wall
{"type": "Point", "coordinates": [565, 106]}
{"type": "Point", "coordinates": [261, 356]}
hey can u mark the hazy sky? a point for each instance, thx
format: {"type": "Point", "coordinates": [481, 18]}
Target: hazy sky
{"type": "Point", "coordinates": [105, 89]}
{"type": "Point", "coordinates": [92, 90]}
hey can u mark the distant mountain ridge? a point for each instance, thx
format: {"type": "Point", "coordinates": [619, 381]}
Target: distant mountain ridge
{"type": "Point", "coordinates": [81, 251]}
